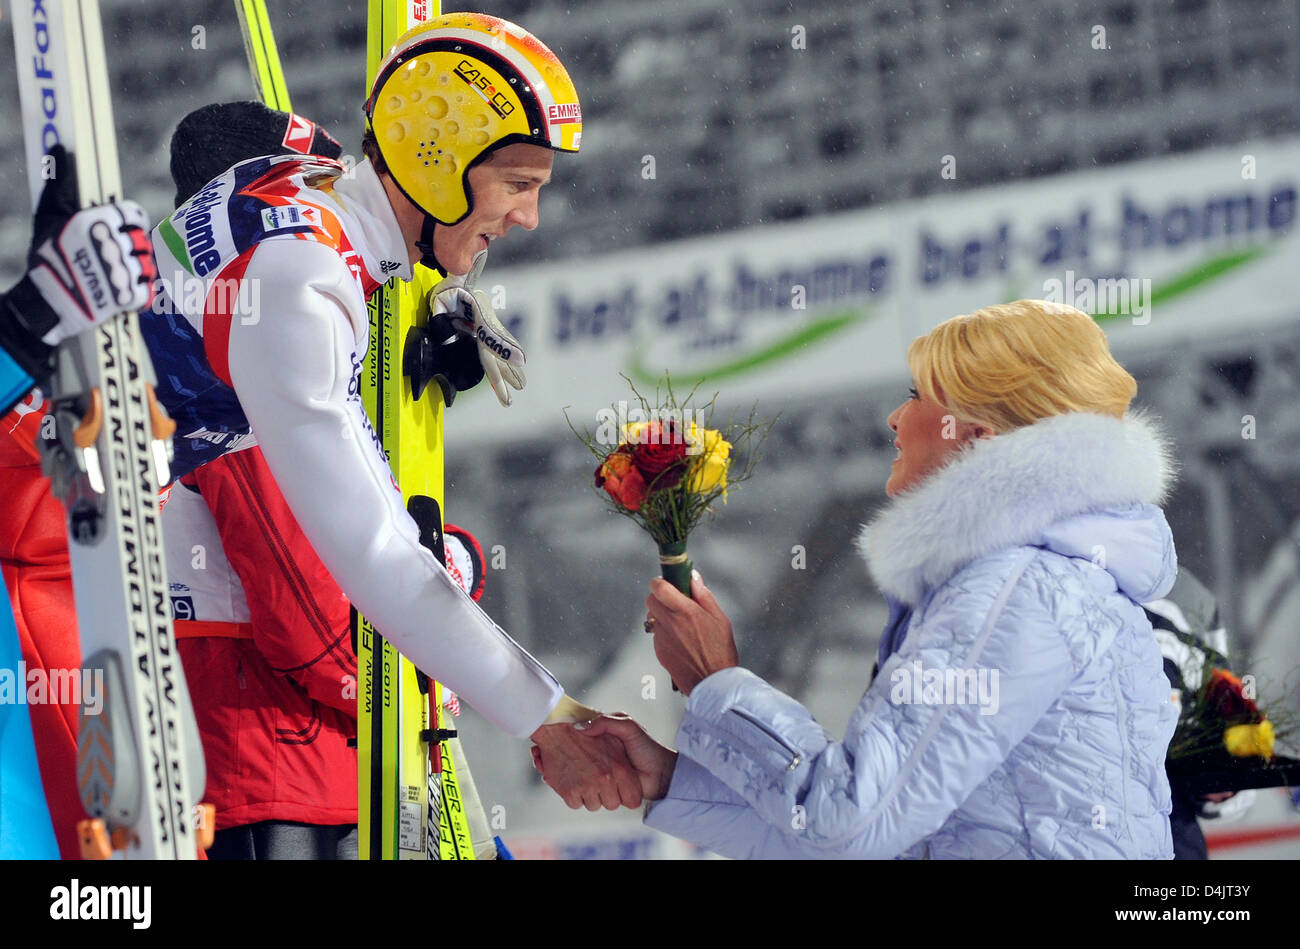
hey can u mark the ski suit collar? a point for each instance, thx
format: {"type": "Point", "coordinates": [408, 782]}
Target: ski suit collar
{"type": "Point", "coordinates": [377, 236]}
{"type": "Point", "coordinates": [1029, 487]}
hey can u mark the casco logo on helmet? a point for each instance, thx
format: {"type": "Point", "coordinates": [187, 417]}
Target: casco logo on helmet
{"type": "Point", "coordinates": [483, 86]}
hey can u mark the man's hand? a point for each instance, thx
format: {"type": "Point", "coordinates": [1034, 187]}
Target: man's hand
{"type": "Point", "coordinates": [586, 772]}
{"type": "Point", "coordinates": [85, 266]}
{"type": "Point", "coordinates": [693, 637]}
{"type": "Point", "coordinates": [654, 763]}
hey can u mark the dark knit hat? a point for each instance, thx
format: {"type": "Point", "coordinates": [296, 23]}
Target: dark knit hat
{"type": "Point", "coordinates": [212, 138]}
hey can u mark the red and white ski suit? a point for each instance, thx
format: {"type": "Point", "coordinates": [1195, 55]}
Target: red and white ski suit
{"type": "Point", "coordinates": [284, 358]}
{"type": "Point", "coordinates": [265, 638]}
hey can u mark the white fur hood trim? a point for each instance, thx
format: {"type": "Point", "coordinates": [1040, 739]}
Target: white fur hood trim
{"type": "Point", "coordinates": [1005, 491]}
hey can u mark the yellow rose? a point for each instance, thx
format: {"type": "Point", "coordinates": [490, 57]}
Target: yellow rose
{"type": "Point", "coordinates": [710, 471]}
{"type": "Point", "coordinates": [710, 441]}
{"type": "Point", "coordinates": [1245, 741]}
{"type": "Point", "coordinates": [634, 433]}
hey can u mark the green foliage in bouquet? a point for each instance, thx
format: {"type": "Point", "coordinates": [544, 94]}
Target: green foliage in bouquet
{"type": "Point", "coordinates": [663, 465]}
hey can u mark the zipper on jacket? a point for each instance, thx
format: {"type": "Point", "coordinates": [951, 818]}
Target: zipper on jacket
{"type": "Point", "coordinates": [794, 755]}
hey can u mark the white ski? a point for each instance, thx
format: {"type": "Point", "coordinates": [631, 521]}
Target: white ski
{"type": "Point", "coordinates": [140, 764]}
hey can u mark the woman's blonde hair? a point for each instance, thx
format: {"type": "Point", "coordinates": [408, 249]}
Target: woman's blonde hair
{"type": "Point", "coordinates": [1012, 364]}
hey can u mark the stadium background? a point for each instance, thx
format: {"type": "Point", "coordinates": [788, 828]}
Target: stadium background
{"type": "Point", "coordinates": [725, 137]}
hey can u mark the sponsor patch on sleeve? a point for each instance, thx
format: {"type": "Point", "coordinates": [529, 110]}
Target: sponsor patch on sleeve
{"type": "Point", "coordinates": [287, 216]}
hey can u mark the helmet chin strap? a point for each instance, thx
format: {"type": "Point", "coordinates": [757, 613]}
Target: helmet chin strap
{"type": "Point", "coordinates": [425, 246]}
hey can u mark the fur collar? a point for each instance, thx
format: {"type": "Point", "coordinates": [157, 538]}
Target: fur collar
{"type": "Point", "coordinates": [1004, 491]}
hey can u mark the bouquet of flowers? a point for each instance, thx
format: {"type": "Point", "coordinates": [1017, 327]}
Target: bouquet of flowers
{"type": "Point", "coordinates": [1224, 740]}
{"type": "Point", "coordinates": [663, 465]}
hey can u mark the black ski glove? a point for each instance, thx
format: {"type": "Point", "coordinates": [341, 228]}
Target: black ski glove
{"type": "Point", "coordinates": [438, 353]}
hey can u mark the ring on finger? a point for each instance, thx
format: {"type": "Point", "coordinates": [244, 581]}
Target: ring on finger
{"type": "Point", "coordinates": [649, 624]}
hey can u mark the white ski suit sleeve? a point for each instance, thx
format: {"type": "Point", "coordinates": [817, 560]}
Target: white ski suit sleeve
{"type": "Point", "coordinates": [294, 370]}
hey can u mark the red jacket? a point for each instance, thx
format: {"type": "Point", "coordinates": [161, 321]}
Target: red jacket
{"type": "Point", "coordinates": [38, 574]}
{"type": "Point", "coordinates": [275, 710]}
{"type": "Point", "coordinates": [275, 697]}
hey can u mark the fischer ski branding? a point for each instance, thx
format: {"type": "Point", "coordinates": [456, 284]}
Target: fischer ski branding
{"type": "Point", "coordinates": [140, 765]}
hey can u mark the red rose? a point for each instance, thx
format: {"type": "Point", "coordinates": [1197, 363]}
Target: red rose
{"type": "Point", "coordinates": [620, 477]}
{"type": "Point", "coordinates": [1224, 696]}
{"type": "Point", "coordinates": [660, 454]}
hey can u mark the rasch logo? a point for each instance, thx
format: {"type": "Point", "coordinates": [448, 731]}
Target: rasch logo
{"type": "Point", "coordinates": [90, 278]}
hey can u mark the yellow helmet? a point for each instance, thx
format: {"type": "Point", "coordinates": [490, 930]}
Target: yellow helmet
{"type": "Point", "coordinates": [456, 88]}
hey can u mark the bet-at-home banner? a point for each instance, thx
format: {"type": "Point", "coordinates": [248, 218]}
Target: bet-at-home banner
{"type": "Point", "coordinates": [1161, 252]}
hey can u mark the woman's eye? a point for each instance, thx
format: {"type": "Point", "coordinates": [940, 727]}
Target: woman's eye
{"type": "Point", "coordinates": [912, 393]}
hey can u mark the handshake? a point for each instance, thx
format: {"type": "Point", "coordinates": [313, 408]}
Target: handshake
{"type": "Point", "coordinates": [610, 761]}
{"type": "Point", "coordinates": [607, 762]}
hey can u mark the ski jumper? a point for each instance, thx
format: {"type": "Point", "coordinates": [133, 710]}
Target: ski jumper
{"type": "Point", "coordinates": [260, 331]}
{"type": "Point", "coordinates": [265, 638]}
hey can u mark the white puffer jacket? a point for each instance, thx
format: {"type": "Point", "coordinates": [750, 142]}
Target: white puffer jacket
{"type": "Point", "coordinates": [1026, 714]}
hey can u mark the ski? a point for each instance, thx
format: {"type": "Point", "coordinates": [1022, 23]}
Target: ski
{"type": "Point", "coordinates": [404, 808]}
{"type": "Point", "coordinates": [401, 793]}
{"type": "Point", "coordinates": [263, 57]}
{"type": "Point", "coordinates": [140, 765]}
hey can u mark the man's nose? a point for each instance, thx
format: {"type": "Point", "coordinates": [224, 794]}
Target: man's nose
{"type": "Point", "coordinates": [526, 214]}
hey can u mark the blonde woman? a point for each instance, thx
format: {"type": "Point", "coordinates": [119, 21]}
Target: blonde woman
{"type": "Point", "coordinates": [1023, 711]}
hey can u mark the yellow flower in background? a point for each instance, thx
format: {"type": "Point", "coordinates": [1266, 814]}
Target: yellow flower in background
{"type": "Point", "coordinates": [1246, 741]}
{"type": "Point", "coordinates": [634, 433]}
{"type": "Point", "coordinates": [710, 469]}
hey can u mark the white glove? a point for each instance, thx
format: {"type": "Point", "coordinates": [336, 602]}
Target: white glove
{"type": "Point", "coordinates": [89, 265]}
{"type": "Point", "coordinates": [471, 312]}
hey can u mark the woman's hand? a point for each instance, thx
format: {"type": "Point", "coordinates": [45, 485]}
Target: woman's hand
{"type": "Point", "coordinates": [590, 774]}
{"type": "Point", "coordinates": [654, 763]}
{"type": "Point", "coordinates": [693, 637]}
